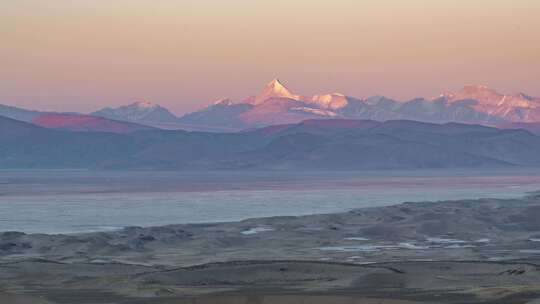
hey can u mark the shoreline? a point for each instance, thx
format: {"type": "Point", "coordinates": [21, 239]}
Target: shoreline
{"type": "Point", "coordinates": [526, 195]}
{"type": "Point", "coordinates": [107, 202]}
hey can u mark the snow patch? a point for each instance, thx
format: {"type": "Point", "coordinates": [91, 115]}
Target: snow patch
{"type": "Point", "coordinates": [315, 111]}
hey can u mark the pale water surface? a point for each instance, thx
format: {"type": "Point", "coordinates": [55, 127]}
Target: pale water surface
{"type": "Point", "coordinates": [83, 201]}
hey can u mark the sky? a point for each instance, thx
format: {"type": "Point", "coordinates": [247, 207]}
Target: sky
{"type": "Point", "coordinates": [81, 55]}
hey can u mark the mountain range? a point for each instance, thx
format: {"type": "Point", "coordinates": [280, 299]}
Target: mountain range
{"type": "Point", "coordinates": [330, 144]}
{"type": "Point", "coordinates": [276, 104]}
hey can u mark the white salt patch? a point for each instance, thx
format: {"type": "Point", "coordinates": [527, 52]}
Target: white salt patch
{"type": "Point", "coordinates": [373, 248]}
{"type": "Point", "coordinates": [530, 251]}
{"type": "Point", "coordinates": [445, 241]}
{"type": "Point", "coordinates": [505, 258]}
{"type": "Point", "coordinates": [359, 248]}
{"type": "Point", "coordinates": [324, 259]}
{"type": "Point", "coordinates": [256, 230]}
{"type": "Point", "coordinates": [356, 239]}
{"type": "Point", "coordinates": [458, 246]}
{"type": "Point", "coordinates": [412, 246]}
{"type": "Point", "coordinates": [312, 229]}
{"type": "Point", "coordinates": [99, 261]}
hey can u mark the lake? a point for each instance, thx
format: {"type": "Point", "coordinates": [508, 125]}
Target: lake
{"type": "Point", "coordinates": [63, 201]}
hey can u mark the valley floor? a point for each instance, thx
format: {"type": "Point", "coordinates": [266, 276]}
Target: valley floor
{"type": "Point", "coordinates": [467, 251]}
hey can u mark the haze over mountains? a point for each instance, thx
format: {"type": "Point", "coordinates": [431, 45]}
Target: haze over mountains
{"type": "Point", "coordinates": [276, 104]}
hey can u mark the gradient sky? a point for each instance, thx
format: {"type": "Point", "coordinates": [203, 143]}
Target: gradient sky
{"type": "Point", "coordinates": [80, 55]}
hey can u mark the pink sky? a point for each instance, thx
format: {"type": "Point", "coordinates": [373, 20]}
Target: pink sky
{"type": "Point", "coordinates": [82, 55]}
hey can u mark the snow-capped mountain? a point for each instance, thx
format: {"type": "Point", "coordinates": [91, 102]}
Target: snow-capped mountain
{"type": "Point", "coordinates": [274, 89]}
{"type": "Point", "coordinates": [276, 104]}
{"type": "Point", "coordinates": [512, 108]}
{"type": "Point", "coordinates": [221, 115]}
{"type": "Point", "coordinates": [143, 112]}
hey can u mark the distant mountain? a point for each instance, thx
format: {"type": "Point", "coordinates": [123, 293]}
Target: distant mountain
{"type": "Point", "coordinates": [24, 145]}
{"type": "Point", "coordinates": [276, 104]}
{"type": "Point", "coordinates": [86, 123]}
{"type": "Point", "coordinates": [19, 113]}
{"type": "Point", "coordinates": [150, 114]}
{"type": "Point", "coordinates": [139, 112]}
{"type": "Point", "coordinates": [397, 144]}
{"type": "Point", "coordinates": [331, 144]}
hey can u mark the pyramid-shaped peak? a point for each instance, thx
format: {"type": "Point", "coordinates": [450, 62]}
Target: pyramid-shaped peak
{"type": "Point", "coordinates": [276, 82]}
{"type": "Point", "coordinates": [277, 86]}
{"type": "Point", "coordinates": [274, 89]}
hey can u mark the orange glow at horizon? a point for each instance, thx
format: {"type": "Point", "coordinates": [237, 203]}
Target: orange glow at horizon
{"type": "Point", "coordinates": [86, 54]}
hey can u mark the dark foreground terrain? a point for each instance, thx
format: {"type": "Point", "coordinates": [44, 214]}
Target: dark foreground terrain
{"type": "Point", "coordinates": [469, 251]}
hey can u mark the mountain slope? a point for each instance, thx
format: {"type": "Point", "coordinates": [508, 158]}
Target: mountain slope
{"type": "Point", "coordinates": [277, 110]}
{"type": "Point", "coordinates": [23, 145]}
{"type": "Point", "coordinates": [222, 114]}
{"type": "Point", "coordinates": [11, 128]}
{"type": "Point", "coordinates": [406, 144]}
{"type": "Point", "coordinates": [86, 123]}
{"type": "Point", "coordinates": [533, 127]}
